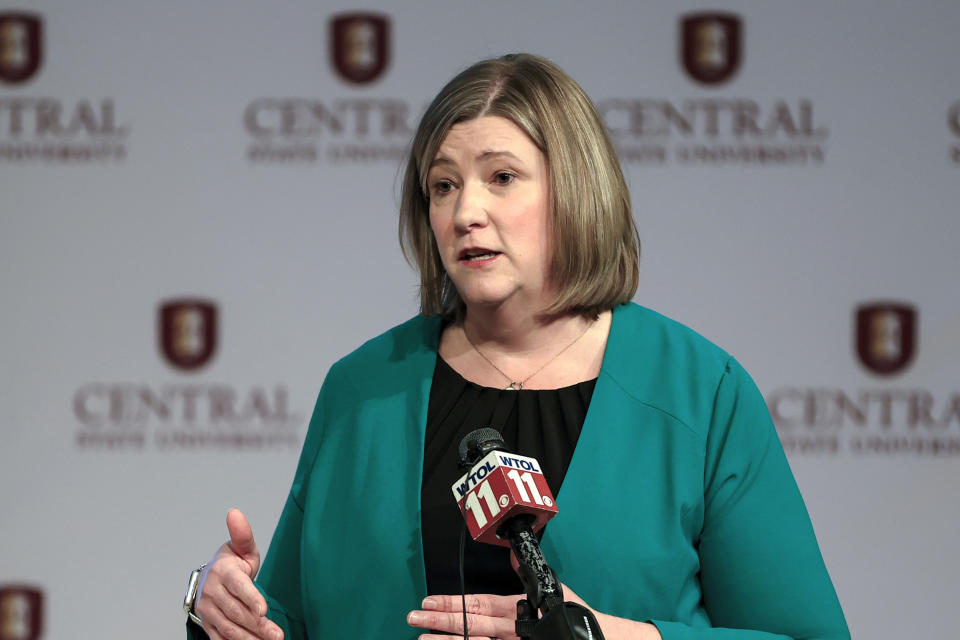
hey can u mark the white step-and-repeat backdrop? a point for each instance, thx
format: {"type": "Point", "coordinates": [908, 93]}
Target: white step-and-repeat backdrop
{"type": "Point", "coordinates": [198, 216]}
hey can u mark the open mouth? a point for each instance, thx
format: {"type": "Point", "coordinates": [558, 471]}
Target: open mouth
{"type": "Point", "coordinates": [476, 255]}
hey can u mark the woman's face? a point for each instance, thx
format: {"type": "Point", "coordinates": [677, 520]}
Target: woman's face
{"type": "Point", "coordinates": [489, 211]}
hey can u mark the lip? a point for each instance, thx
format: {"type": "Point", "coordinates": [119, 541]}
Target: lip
{"type": "Point", "coordinates": [462, 256]}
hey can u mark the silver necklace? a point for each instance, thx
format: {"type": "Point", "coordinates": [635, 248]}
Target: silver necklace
{"type": "Point", "coordinates": [516, 385]}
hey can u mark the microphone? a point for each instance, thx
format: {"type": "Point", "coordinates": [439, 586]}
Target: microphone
{"type": "Point", "coordinates": [505, 500]}
{"type": "Point", "coordinates": [499, 487]}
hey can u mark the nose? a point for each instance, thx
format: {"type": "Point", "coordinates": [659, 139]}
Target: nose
{"type": "Point", "coordinates": [471, 210]}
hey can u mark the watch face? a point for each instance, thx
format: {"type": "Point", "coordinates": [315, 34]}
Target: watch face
{"type": "Point", "coordinates": [192, 584]}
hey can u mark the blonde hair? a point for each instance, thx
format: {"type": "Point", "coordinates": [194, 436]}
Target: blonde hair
{"type": "Point", "coordinates": [595, 262]}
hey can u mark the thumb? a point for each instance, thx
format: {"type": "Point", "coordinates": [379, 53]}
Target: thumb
{"type": "Point", "coordinates": [241, 539]}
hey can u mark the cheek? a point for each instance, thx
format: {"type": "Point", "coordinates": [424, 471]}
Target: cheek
{"type": "Point", "coordinates": [436, 226]}
{"type": "Point", "coordinates": [441, 229]}
{"type": "Point", "coordinates": [534, 225]}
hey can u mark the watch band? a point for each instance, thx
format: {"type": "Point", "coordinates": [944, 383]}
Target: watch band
{"type": "Point", "coordinates": [190, 598]}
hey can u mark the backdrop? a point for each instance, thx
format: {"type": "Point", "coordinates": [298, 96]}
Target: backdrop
{"type": "Point", "coordinates": [198, 216]}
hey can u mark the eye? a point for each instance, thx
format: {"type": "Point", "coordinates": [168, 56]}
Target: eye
{"type": "Point", "coordinates": [441, 187]}
{"type": "Point", "coordinates": [503, 177]}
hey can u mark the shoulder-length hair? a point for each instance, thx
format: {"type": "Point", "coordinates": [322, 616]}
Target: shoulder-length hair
{"type": "Point", "coordinates": [596, 255]}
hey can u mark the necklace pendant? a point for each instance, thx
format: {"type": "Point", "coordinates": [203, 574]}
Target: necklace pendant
{"type": "Point", "coordinates": [513, 386]}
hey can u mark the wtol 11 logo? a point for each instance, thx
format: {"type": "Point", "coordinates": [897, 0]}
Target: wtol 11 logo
{"type": "Point", "coordinates": [900, 420]}
{"type": "Point", "coordinates": [185, 414]}
{"type": "Point", "coordinates": [714, 130]}
{"type": "Point", "coordinates": [355, 128]}
{"type": "Point", "coordinates": [953, 121]}
{"type": "Point", "coordinates": [48, 129]}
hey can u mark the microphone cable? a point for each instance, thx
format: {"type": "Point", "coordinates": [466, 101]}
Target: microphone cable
{"type": "Point", "coordinates": [463, 582]}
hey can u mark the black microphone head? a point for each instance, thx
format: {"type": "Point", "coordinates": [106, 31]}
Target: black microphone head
{"type": "Point", "coordinates": [479, 443]}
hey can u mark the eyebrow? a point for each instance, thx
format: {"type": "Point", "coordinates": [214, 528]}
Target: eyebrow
{"type": "Point", "coordinates": [486, 155]}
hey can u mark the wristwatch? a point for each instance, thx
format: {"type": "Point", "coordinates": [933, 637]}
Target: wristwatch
{"type": "Point", "coordinates": [190, 598]}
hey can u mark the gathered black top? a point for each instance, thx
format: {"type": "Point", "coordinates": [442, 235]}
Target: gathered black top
{"type": "Point", "coordinates": [543, 424]}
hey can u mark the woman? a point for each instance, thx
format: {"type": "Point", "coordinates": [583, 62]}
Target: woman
{"type": "Point", "coordinates": [679, 517]}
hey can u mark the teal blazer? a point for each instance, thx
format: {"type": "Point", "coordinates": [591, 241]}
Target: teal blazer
{"type": "Point", "coordinates": [678, 507]}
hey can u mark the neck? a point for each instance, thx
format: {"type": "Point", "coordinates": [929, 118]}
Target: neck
{"type": "Point", "coordinates": [494, 349]}
{"type": "Point", "coordinates": [501, 330]}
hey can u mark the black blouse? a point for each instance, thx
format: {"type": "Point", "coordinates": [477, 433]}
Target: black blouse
{"type": "Point", "coordinates": [543, 424]}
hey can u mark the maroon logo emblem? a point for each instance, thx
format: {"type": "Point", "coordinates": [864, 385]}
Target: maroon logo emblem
{"type": "Point", "coordinates": [21, 613]}
{"type": "Point", "coordinates": [21, 46]}
{"type": "Point", "coordinates": [360, 46]}
{"type": "Point", "coordinates": [886, 336]}
{"type": "Point", "coordinates": [710, 46]}
{"type": "Point", "coordinates": [188, 332]}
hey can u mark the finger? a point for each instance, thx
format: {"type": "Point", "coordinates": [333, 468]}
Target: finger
{"type": "Point", "coordinates": [480, 604]}
{"type": "Point", "coordinates": [240, 586]}
{"type": "Point", "coordinates": [219, 622]}
{"type": "Point", "coordinates": [218, 606]}
{"type": "Point", "coordinates": [453, 623]}
{"type": "Point", "coordinates": [218, 626]}
{"type": "Point", "coordinates": [212, 632]}
{"type": "Point", "coordinates": [241, 539]}
{"type": "Point", "coordinates": [228, 579]}
{"type": "Point", "coordinates": [226, 612]}
{"type": "Point", "coordinates": [269, 629]}
{"type": "Point", "coordinates": [229, 631]}
{"type": "Point", "coordinates": [431, 636]}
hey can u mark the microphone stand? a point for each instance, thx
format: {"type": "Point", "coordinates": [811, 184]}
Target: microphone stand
{"type": "Point", "coordinates": [561, 620]}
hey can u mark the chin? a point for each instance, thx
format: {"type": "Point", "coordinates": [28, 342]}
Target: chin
{"type": "Point", "coordinates": [483, 296]}
{"type": "Point", "coordinates": [482, 300]}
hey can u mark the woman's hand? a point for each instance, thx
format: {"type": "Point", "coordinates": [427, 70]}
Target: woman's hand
{"type": "Point", "coordinates": [490, 616]}
{"type": "Point", "coordinates": [229, 604]}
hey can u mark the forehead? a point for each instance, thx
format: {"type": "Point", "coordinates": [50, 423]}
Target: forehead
{"type": "Point", "coordinates": [486, 134]}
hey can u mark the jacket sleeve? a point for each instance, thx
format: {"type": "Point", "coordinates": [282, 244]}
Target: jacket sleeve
{"type": "Point", "coordinates": [762, 574]}
{"type": "Point", "coordinates": [281, 577]}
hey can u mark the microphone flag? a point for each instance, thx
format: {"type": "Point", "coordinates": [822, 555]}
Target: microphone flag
{"type": "Point", "coordinates": [501, 486]}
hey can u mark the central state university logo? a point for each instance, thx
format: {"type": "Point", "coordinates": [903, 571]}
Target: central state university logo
{"type": "Point", "coordinates": [886, 336]}
{"type": "Point", "coordinates": [188, 332]}
{"type": "Point", "coordinates": [360, 46]}
{"type": "Point", "coordinates": [21, 46]}
{"type": "Point", "coordinates": [21, 613]}
{"type": "Point", "coordinates": [711, 46]}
